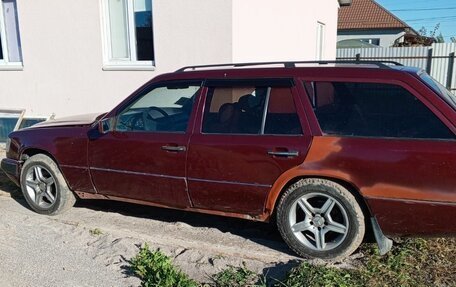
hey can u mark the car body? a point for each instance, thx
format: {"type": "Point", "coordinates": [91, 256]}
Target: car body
{"type": "Point", "coordinates": [396, 157]}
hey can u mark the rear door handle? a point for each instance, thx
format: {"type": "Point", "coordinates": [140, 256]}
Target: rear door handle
{"type": "Point", "coordinates": [283, 153]}
{"type": "Point", "coordinates": [174, 148]}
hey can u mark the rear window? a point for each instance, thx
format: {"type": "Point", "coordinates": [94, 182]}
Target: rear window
{"type": "Point", "coordinates": [373, 110]}
{"type": "Point", "coordinates": [438, 88]}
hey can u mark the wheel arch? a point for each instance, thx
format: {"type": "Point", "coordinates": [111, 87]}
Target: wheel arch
{"type": "Point", "coordinates": [277, 192]}
{"type": "Point", "coordinates": [31, 151]}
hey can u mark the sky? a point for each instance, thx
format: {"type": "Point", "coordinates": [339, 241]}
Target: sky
{"type": "Point", "coordinates": [427, 13]}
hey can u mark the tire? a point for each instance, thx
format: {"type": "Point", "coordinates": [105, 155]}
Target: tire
{"type": "Point", "coordinates": [44, 187]}
{"type": "Point", "coordinates": [321, 219]}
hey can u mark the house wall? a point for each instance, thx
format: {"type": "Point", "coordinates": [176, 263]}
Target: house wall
{"type": "Point", "coordinates": [192, 32]}
{"type": "Point", "coordinates": [387, 37]}
{"type": "Point", "coordinates": [63, 52]}
{"type": "Point", "coordinates": [271, 30]}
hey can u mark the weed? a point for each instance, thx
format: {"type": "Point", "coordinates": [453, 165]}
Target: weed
{"type": "Point", "coordinates": [411, 262]}
{"type": "Point", "coordinates": [395, 268]}
{"type": "Point", "coordinates": [315, 276]}
{"type": "Point", "coordinates": [238, 277]}
{"type": "Point", "coordinates": [95, 232]}
{"type": "Point", "coordinates": [156, 270]}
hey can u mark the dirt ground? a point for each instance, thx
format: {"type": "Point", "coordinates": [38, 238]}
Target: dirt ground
{"type": "Point", "coordinates": [37, 250]}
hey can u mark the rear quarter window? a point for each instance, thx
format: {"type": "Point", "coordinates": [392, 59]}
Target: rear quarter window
{"type": "Point", "coordinates": [373, 110]}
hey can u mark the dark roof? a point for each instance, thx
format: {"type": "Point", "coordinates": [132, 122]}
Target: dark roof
{"type": "Point", "coordinates": [368, 14]}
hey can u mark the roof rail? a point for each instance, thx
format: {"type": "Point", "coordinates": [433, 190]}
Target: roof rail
{"type": "Point", "coordinates": [380, 64]}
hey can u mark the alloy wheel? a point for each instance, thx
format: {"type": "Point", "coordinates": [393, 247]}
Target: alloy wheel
{"type": "Point", "coordinates": [41, 187]}
{"type": "Point", "coordinates": [318, 221]}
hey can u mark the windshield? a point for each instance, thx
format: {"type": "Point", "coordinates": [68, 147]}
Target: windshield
{"type": "Point", "coordinates": [443, 92]}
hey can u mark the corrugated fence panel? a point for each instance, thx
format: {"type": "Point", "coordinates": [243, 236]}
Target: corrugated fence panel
{"type": "Point", "coordinates": [410, 56]}
{"type": "Point", "coordinates": [440, 63]}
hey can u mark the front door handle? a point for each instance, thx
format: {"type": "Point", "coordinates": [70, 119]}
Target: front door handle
{"type": "Point", "coordinates": [283, 153]}
{"type": "Point", "coordinates": [174, 148]}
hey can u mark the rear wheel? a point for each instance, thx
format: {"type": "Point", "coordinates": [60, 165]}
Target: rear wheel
{"type": "Point", "coordinates": [319, 218]}
{"type": "Point", "coordinates": [44, 187]}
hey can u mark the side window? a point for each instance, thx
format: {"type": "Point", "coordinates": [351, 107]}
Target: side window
{"type": "Point", "coordinates": [282, 117]}
{"type": "Point", "coordinates": [162, 109]}
{"type": "Point", "coordinates": [373, 110]}
{"type": "Point", "coordinates": [234, 110]}
{"type": "Point", "coordinates": [241, 110]}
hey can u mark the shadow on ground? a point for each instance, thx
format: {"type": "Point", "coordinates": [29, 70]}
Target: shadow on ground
{"type": "Point", "coordinates": [277, 273]}
{"type": "Point", "coordinates": [261, 233]}
{"type": "Point", "coordinates": [265, 234]}
{"type": "Point", "coordinates": [8, 187]}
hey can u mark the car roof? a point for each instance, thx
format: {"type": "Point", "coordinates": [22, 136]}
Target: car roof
{"type": "Point", "coordinates": [342, 69]}
{"type": "Point", "coordinates": [293, 64]}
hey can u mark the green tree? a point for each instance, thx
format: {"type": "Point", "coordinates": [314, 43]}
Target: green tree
{"type": "Point", "coordinates": [440, 39]}
{"type": "Point", "coordinates": [426, 38]}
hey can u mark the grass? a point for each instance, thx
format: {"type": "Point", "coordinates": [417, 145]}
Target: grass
{"type": "Point", "coordinates": [156, 270]}
{"type": "Point", "coordinates": [411, 262]}
{"type": "Point", "coordinates": [441, 260]}
{"type": "Point", "coordinates": [238, 277]}
{"type": "Point", "coordinates": [315, 276]}
{"type": "Point", "coordinates": [95, 232]}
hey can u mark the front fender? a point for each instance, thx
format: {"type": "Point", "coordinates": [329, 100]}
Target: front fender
{"type": "Point", "coordinates": [67, 146]}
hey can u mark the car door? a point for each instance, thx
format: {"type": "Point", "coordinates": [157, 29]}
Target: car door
{"type": "Point", "coordinates": [143, 158]}
{"type": "Point", "coordinates": [248, 135]}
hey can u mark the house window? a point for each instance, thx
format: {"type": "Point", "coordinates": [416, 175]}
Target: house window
{"type": "Point", "coordinates": [10, 45]}
{"type": "Point", "coordinates": [128, 33]}
{"type": "Point", "coordinates": [373, 41]}
{"type": "Point", "coordinates": [320, 40]}
{"type": "Point", "coordinates": [12, 120]}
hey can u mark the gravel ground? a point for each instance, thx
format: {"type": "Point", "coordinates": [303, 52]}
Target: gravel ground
{"type": "Point", "coordinates": [37, 250]}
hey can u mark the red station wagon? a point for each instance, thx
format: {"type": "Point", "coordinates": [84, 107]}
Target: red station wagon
{"type": "Point", "coordinates": [326, 149]}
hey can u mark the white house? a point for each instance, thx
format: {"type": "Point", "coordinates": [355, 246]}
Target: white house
{"type": "Point", "coordinates": [365, 23]}
{"type": "Point", "coordinates": [68, 57]}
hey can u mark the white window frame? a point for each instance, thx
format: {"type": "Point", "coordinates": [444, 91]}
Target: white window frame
{"type": "Point", "coordinates": [5, 64]}
{"type": "Point", "coordinates": [127, 64]}
{"type": "Point", "coordinates": [320, 47]}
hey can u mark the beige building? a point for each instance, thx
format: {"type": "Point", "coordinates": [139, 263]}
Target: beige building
{"type": "Point", "coordinates": [69, 57]}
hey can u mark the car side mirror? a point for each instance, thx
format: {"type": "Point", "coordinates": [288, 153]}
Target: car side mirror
{"type": "Point", "coordinates": [105, 125]}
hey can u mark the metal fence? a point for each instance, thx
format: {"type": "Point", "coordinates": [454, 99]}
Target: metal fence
{"type": "Point", "coordinates": [437, 60]}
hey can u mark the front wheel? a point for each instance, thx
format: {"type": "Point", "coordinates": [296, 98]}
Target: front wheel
{"type": "Point", "coordinates": [44, 187]}
{"type": "Point", "coordinates": [319, 218]}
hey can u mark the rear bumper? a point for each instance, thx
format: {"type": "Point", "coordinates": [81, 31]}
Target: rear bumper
{"type": "Point", "coordinates": [399, 217]}
{"type": "Point", "coordinates": [12, 169]}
